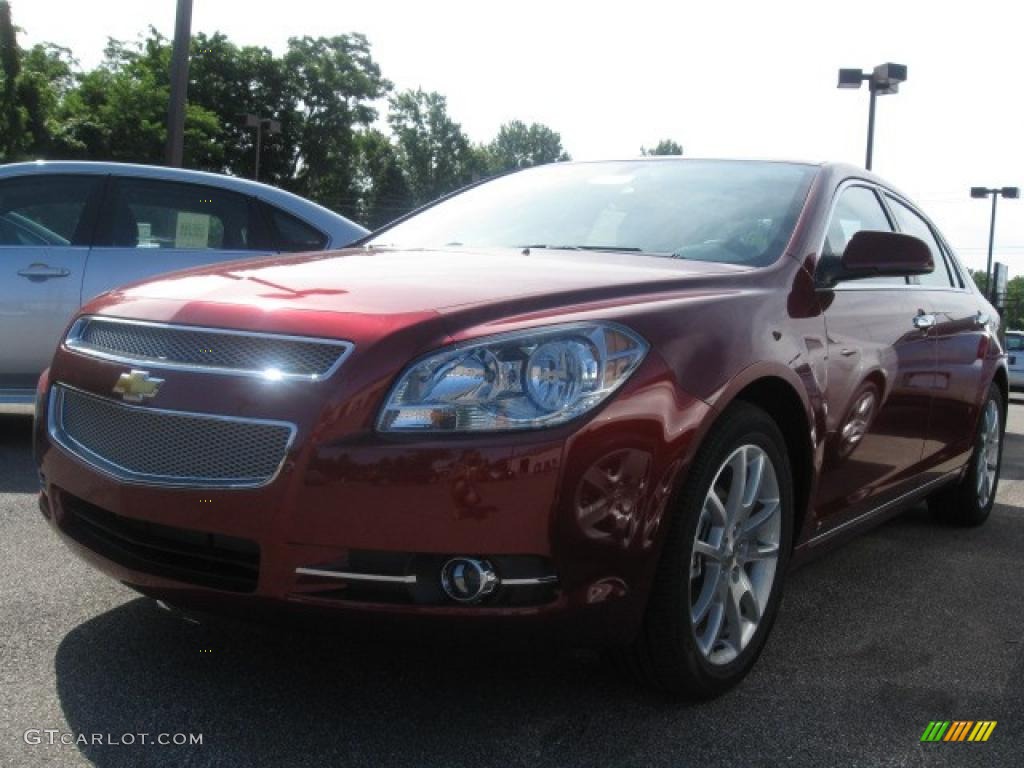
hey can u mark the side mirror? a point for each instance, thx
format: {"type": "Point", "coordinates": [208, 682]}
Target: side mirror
{"type": "Point", "coordinates": [877, 254]}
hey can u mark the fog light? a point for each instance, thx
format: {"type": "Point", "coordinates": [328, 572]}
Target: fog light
{"type": "Point", "coordinates": [467, 580]}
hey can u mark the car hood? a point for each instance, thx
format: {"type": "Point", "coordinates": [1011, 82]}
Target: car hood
{"type": "Point", "coordinates": [388, 282]}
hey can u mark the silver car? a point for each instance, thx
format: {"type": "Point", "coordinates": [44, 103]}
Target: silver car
{"type": "Point", "coordinates": [1015, 358]}
{"type": "Point", "coordinates": [72, 230]}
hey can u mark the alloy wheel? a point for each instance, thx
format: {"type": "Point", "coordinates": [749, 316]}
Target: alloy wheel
{"type": "Point", "coordinates": [988, 453]}
{"type": "Point", "coordinates": [735, 554]}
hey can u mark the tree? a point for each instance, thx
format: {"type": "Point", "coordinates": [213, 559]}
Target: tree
{"type": "Point", "coordinates": [232, 82]}
{"type": "Point", "coordinates": [338, 81]}
{"type": "Point", "coordinates": [384, 191]}
{"type": "Point", "coordinates": [47, 76]}
{"type": "Point", "coordinates": [119, 110]}
{"type": "Point", "coordinates": [520, 146]}
{"type": "Point", "coordinates": [11, 123]}
{"type": "Point", "coordinates": [435, 153]}
{"type": "Point", "coordinates": [664, 147]}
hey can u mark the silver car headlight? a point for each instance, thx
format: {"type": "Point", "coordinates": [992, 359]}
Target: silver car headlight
{"type": "Point", "coordinates": [522, 380]}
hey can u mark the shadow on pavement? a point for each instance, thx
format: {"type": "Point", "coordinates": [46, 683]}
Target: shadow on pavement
{"type": "Point", "coordinates": [867, 636]}
{"type": "Point", "coordinates": [17, 472]}
{"type": "Point", "coordinates": [267, 695]}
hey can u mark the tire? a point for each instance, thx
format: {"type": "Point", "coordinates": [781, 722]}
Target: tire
{"type": "Point", "coordinates": [672, 651]}
{"type": "Point", "coordinates": [962, 504]}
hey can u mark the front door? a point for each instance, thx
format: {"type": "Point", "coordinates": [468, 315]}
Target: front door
{"type": "Point", "coordinates": [44, 235]}
{"type": "Point", "coordinates": [881, 358]}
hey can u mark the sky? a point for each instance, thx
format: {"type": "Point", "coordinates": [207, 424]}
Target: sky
{"type": "Point", "coordinates": [727, 78]}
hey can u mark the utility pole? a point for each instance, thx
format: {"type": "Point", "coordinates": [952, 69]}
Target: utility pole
{"type": "Point", "coordinates": [179, 83]}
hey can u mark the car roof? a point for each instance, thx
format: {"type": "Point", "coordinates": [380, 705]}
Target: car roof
{"type": "Point", "coordinates": [340, 229]}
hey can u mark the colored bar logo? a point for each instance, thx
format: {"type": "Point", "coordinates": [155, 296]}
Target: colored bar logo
{"type": "Point", "coordinates": [958, 730]}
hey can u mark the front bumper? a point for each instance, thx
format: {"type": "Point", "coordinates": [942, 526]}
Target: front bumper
{"type": "Point", "coordinates": [351, 501]}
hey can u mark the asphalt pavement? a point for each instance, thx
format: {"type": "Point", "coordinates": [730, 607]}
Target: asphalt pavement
{"type": "Point", "coordinates": [910, 623]}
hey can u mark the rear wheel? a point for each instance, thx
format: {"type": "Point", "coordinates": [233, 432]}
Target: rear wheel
{"type": "Point", "coordinates": [969, 501]}
{"type": "Point", "coordinates": [719, 580]}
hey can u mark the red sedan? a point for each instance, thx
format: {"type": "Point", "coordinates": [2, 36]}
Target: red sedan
{"type": "Point", "coordinates": [617, 399]}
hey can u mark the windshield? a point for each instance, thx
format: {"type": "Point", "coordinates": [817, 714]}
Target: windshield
{"type": "Point", "coordinates": [710, 210]}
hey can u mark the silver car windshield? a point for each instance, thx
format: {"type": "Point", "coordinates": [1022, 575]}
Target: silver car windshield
{"type": "Point", "coordinates": [741, 212]}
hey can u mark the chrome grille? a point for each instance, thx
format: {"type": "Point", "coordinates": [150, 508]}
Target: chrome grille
{"type": "Point", "coordinates": [209, 349]}
{"type": "Point", "coordinates": [159, 447]}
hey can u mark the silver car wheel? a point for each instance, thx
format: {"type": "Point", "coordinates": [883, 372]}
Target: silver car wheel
{"type": "Point", "coordinates": [735, 554]}
{"type": "Point", "coordinates": [988, 453]}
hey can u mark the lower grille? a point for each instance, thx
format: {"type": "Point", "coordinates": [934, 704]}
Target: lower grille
{"type": "Point", "coordinates": [159, 447]}
{"type": "Point", "coordinates": [194, 557]}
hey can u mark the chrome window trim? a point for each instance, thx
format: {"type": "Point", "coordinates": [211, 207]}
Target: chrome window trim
{"type": "Point", "coordinates": [72, 343]}
{"type": "Point", "coordinates": [76, 450]}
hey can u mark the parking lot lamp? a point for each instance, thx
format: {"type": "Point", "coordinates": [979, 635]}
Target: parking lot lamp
{"type": "Point", "coordinates": [261, 124]}
{"type": "Point", "coordinates": [883, 80]}
{"type": "Point", "coordinates": [1010, 193]}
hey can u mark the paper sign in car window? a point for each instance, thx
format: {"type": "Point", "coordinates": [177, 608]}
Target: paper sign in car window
{"type": "Point", "coordinates": [193, 230]}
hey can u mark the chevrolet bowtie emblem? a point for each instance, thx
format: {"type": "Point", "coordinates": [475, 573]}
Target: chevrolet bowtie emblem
{"type": "Point", "coordinates": [137, 386]}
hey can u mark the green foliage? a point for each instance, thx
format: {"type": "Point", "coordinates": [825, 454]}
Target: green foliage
{"type": "Point", "coordinates": [11, 119]}
{"type": "Point", "coordinates": [664, 147]}
{"type": "Point", "coordinates": [435, 153]}
{"type": "Point", "coordinates": [324, 91]}
{"type": "Point", "coordinates": [518, 145]}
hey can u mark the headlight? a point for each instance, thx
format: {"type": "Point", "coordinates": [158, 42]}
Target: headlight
{"type": "Point", "coordinates": [521, 380]}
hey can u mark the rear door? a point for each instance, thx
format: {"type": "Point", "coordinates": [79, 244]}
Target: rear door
{"type": "Point", "coordinates": [45, 226]}
{"type": "Point", "coordinates": [879, 364]}
{"type": "Point", "coordinates": [960, 334]}
{"type": "Point", "coordinates": [152, 226]}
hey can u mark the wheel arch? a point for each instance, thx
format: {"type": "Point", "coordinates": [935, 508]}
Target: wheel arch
{"type": "Point", "coordinates": [781, 401]}
{"type": "Point", "coordinates": [1002, 380]}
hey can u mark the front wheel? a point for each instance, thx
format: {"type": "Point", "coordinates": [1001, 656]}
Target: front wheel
{"type": "Point", "coordinates": [969, 501]}
{"type": "Point", "coordinates": [719, 580]}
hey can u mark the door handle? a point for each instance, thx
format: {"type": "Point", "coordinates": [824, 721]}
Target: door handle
{"type": "Point", "coordinates": [923, 321]}
{"type": "Point", "coordinates": [40, 271]}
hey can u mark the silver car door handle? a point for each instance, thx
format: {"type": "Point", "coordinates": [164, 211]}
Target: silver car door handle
{"type": "Point", "coordinates": [43, 272]}
{"type": "Point", "coordinates": [924, 321]}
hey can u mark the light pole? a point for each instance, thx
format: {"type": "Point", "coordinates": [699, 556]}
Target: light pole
{"type": "Point", "coordinates": [1010, 193]}
{"type": "Point", "coordinates": [261, 124]}
{"type": "Point", "coordinates": [885, 79]}
{"type": "Point", "coordinates": [179, 83]}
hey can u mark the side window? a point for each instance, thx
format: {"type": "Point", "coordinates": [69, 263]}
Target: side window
{"type": "Point", "coordinates": [45, 210]}
{"type": "Point", "coordinates": [858, 209]}
{"type": "Point", "coordinates": [292, 234]}
{"type": "Point", "coordinates": [912, 224]}
{"type": "Point", "coordinates": [169, 214]}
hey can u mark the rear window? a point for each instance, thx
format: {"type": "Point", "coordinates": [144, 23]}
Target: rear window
{"type": "Point", "coordinates": [167, 214]}
{"type": "Point", "coordinates": [1014, 343]}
